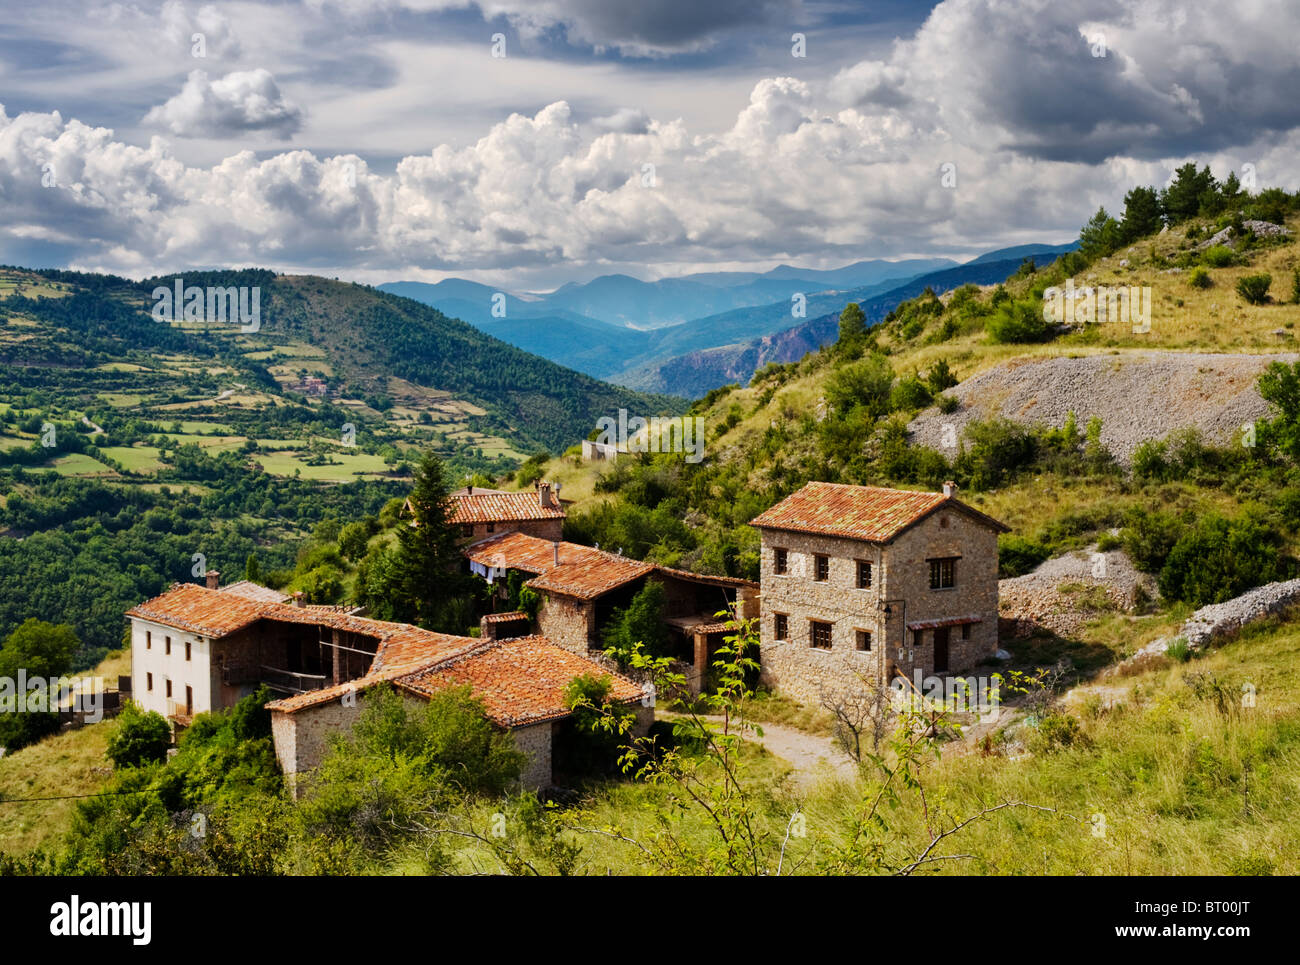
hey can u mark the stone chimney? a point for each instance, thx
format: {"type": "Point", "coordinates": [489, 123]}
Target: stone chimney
{"type": "Point", "coordinates": [213, 577]}
{"type": "Point", "coordinates": [556, 544]}
{"type": "Point", "coordinates": [544, 497]}
{"type": "Point", "coordinates": [469, 489]}
{"type": "Point", "coordinates": [949, 489]}
{"type": "Point", "coordinates": [298, 598]}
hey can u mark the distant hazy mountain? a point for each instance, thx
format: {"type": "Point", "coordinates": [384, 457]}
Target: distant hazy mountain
{"type": "Point", "coordinates": [1042, 254]}
{"type": "Point", "coordinates": [692, 367]}
{"type": "Point", "coordinates": [628, 302]}
{"type": "Point", "coordinates": [625, 330]}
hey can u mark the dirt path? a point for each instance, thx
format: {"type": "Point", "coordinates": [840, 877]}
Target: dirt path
{"type": "Point", "coordinates": [813, 757]}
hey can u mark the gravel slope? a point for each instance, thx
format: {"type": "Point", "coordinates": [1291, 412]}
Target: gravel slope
{"type": "Point", "coordinates": [1138, 396]}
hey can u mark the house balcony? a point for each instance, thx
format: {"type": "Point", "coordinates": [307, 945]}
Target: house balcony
{"type": "Point", "coordinates": [283, 681]}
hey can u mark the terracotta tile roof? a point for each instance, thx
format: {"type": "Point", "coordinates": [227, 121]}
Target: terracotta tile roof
{"type": "Point", "coordinates": [495, 507]}
{"type": "Point", "coordinates": [868, 513]}
{"type": "Point", "coordinates": [215, 613]}
{"type": "Point", "coordinates": [515, 551]}
{"type": "Point", "coordinates": [510, 617]}
{"type": "Point", "coordinates": [520, 681]}
{"type": "Point", "coordinates": [255, 591]}
{"type": "Point", "coordinates": [706, 577]}
{"type": "Point", "coordinates": [188, 606]}
{"type": "Point", "coordinates": [583, 571]}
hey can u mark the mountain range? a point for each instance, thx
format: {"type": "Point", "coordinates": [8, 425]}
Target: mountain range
{"type": "Point", "coordinates": [686, 335]}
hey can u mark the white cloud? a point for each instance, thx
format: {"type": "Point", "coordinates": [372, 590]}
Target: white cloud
{"type": "Point", "coordinates": [1039, 131]}
{"type": "Point", "coordinates": [241, 101]}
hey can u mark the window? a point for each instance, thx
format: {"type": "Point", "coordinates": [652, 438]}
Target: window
{"type": "Point", "coordinates": [918, 637]}
{"type": "Point", "coordinates": [820, 634]}
{"type": "Point", "coordinates": [148, 681]}
{"type": "Point", "coordinates": [148, 640]}
{"type": "Point", "coordinates": [169, 687]}
{"type": "Point", "coordinates": [491, 527]}
{"type": "Point", "coordinates": [167, 646]}
{"type": "Point", "coordinates": [467, 529]}
{"type": "Point", "coordinates": [781, 627]}
{"type": "Point", "coordinates": [780, 562]}
{"type": "Point", "coordinates": [864, 575]}
{"type": "Point", "coordinates": [864, 639]}
{"type": "Point", "coordinates": [943, 574]}
{"type": "Point", "coordinates": [821, 568]}
{"type": "Point", "coordinates": [187, 650]}
{"type": "Point", "coordinates": [965, 631]}
{"type": "Point", "coordinates": [189, 700]}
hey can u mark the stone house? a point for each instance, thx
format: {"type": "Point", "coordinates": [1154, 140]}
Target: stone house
{"type": "Point", "coordinates": [481, 513]}
{"type": "Point", "coordinates": [581, 587]}
{"type": "Point", "coordinates": [862, 583]}
{"type": "Point", "coordinates": [200, 648]}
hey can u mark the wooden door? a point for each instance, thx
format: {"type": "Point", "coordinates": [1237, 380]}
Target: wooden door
{"type": "Point", "coordinates": [941, 650]}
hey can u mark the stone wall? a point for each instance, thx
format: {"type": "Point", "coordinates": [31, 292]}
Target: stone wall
{"type": "Point", "coordinates": [535, 741]}
{"type": "Point", "coordinates": [900, 579]}
{"type": "Point", "coordinates": [567, 622]}
{"type": "Point", "coordinates": [301, 738]}
{"type": "Point", "coordinates": [551, 529]}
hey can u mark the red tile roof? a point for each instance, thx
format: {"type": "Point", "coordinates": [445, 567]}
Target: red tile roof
{"type": "Point", "coordinates": [496, 507]}
{"type": "Point", "coordinates": [212, 613]}
{"type": "Point", "coordinates": [583, 571]}
{"type": "Point", "coordinates": [255, 591]}
{"type": "Point", "coordinates": [520, 681]}
{"type": "Point", "coordinates": [868, 513]}
{"type": "Point", "coordinates": [510, 617]}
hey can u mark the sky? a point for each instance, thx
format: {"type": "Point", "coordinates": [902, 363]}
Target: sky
{"type": "Point", "coordinates": [529, 143]}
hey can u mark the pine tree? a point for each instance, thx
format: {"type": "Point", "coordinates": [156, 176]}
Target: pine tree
{"type": "Point", "coordinates": [1141, 215]}
{"type": "Point", "coordinates": [853, 323]}
{"type": "Point", "coordinates": [429, 583]}
{"type": "Point", "coordinates": [252, 570]}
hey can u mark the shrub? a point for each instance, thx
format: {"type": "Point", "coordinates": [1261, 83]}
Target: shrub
{"type": "Point", "coordinates": [994, 451]}
{"type": "Point", "coordinates": [138, 738]}
{"type": "Point", "coordinates": [908, 394]}
{"type": "Point", "coordinates": [1149, 536]}
{"type": "Point", "coordinates": [1218, 256]}
{"type": "Point", "coordinates": [1254, 288]}
{"type": "Point", "coordinates": [1200, 278]}
{"type": "Point", "coordinates": [1218, 559]}
{"type": "Point", "coordinates": [947, 403]}
{"type": "Point", "coordinates": [1018, 322]}
{"type": "Point", "coordinates": [866, 383]}
{"type": "Point", "coordinates": [1017, 555]}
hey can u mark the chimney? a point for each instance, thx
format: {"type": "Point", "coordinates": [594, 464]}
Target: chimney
{"type": "Point", "coordinates": [949, 489]}
{"type": "Point", "coordinates": [213, 576]}
{"type": "Point", "coordinates": [469, 489]}
{"type": "Point", "coordinates": [557, 552]}
{"type": "Point", "coordinates": [298, 598]}
{"type": "Point", "coordinates": [544, 495]}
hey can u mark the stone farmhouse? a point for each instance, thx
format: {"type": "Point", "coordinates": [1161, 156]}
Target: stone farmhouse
{"type": "Point", "coordinates": [582, 586]}
{"type": "Point", "coordinates": [862, 584]}
{"type": "Point", "coordinates": [481, 513]}
{"type": "Point", "coordinates": [859, 585]}
{"type": "Point", "coordinates": [200, 648]}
